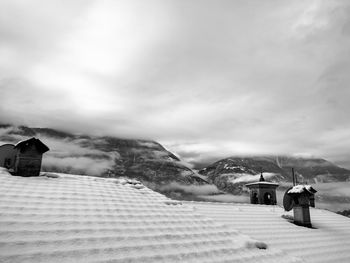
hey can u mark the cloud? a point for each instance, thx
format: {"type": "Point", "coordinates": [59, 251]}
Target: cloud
{"type": "Point", "coordinates": [72, 147]}
{"type": "Point", "coordinates": [83, 165]}
{"type": "Point", "coordinates": [224, 77]}
{"type": "Point", "coordinates": [226, 198]}
{"type": "Point", "coordinates": [333, 189]}
{"type": "Point", "coordinates": [193, 189]}
{"type": "Point", "coordinates": [76, 156]}
{"type": "Point", "coordinates": [248, 178]}
{"type": "Point", "coordinates": [69, 155]}
{"type": "Point", "coordinates": [4, 131]}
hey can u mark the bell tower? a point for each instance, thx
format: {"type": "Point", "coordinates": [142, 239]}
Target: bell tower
{"type": "Point", "coordinates": [262, 192]}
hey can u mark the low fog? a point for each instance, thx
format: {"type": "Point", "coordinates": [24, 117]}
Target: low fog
{"type": "Point", "coordinates": [68, 155]}
{"type": "Point", "coordinates": [193, 189]}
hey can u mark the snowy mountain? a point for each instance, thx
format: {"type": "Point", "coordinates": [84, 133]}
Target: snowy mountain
{"type": "Point", "coordinates": [232, 173]}
{"type": "Point", "coordinates": [161, 170]}
{"type": "Point", "coordinates": [144, 160]}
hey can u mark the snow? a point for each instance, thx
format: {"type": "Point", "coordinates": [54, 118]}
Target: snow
{"type": "Point", "coordinates": [328, 241]}
{"type": "Point", "coordinates": [20, 142]}
{"type": "Point", "coordinates": [263, 183]}
{"type": "Point", "coordinates": [298, 189]}
{"type": "Point", "coordinates": [70, 218]}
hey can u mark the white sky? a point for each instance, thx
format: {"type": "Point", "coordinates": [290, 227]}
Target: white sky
{"type": "Point", "coordinates": [205, 78]}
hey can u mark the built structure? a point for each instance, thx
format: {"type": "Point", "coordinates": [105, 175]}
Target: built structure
{"type": "Point", "coordinates": [300, 195]}
{"type": "Point", "coordinates": [8, 156]}
{"type": "Point", "coordinates": [263, 192]}
{"type": "Point", "coordinates": [28, 157]}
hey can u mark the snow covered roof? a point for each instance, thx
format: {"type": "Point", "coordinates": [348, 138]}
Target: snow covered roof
{"type": "Point", "coordinates": [68, 218]}
{"type": "Point", "coordinates": [7, 145]}
{"type": "Point", "coordinates": [328, 241]}
{"type": "Point", "coordinates": [299, 189]}
{"type": "Point", "coordinates": [261, 183]}
{"type": "Point", "coordinates": [39, 144]}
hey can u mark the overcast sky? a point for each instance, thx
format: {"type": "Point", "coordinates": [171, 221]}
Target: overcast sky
{"type": "Point", "coordinates": [204, 78]}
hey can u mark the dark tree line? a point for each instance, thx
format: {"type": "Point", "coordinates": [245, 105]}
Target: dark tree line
{"type": "Point", "coordinates": [344, 213]}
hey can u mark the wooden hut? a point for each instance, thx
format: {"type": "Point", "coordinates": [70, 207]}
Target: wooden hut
{"type": "Point", "coordinates": [28, 157]}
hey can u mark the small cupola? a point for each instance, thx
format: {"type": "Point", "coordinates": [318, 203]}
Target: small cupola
{"type": "Point", "coordinates": [262, 192]}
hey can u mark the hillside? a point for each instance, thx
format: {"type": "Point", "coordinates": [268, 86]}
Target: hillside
{"type": "Point", "coordinates": [232, 173]}
{"type": "Point", "coordinates": [144, 160]}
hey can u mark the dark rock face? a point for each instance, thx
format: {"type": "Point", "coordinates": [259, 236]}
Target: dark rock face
{"type": "Point", "coordinates": [344, 213]}
{"type": "Point", "coordinates": [231, 174]}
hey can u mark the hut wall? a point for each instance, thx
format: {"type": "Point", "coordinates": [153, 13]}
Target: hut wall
{"type": "Point", "coordinates": [261, 190]}
{"type": "Point", "coordinates": [267, 190]}
{"type": "Point", "coordinates": [302, 215]}
{"type": "Point", "coordinates": [28, 162]}
{"type": "Point", "coordinates": [7, 156]}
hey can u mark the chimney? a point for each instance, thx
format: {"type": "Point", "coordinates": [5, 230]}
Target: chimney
{"type": "Point", "coordinates": [302, 199]}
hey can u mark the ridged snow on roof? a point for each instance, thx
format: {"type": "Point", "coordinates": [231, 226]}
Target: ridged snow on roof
{"type": "Point", "coordinates": [328, 241]}
{"type": "Point", "coordinates": [66, 218]}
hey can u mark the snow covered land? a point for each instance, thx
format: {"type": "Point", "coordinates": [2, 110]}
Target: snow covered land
{"type": "Point", "coordinates": [69, 218]}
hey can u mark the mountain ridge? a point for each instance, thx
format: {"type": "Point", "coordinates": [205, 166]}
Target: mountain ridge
{"type": "Point", "coordinates": [152, 164]}
{"type": "Point", "coordinates": [106, 156]}
{"type": "Point", "coordinates": [230, 174]}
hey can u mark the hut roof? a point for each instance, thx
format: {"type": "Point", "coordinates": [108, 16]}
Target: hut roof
{"type": "Point", "coordinates": [261, 183]}
{"type": "Point", "coordinates": [299, 189]}
{"type": "Point", "coordinates": [42, 148]}
{"type": "Point", "coordinates": [7, 144]}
